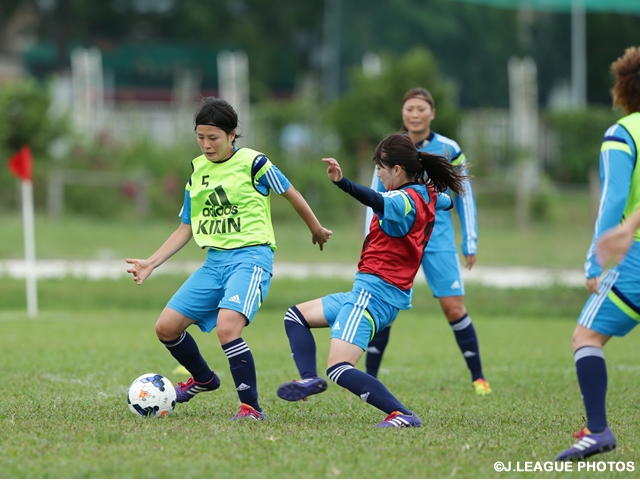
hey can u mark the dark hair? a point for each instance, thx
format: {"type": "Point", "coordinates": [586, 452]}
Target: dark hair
{"type": "Point", "coordinates": [417, 92]}
{"type": "Point", "coordinates": [398, 149]}
{"type": "Point", "coordinates": [217, 113]}
{"type": "Point", "coordinates": [626, 92]}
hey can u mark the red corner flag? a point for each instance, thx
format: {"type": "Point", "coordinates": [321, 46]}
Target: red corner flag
{"type": "Point", "coordinates": [21, 163]}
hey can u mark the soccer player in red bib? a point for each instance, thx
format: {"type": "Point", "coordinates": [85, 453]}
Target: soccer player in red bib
{"type": "Point", "coordinates": [391, 255]}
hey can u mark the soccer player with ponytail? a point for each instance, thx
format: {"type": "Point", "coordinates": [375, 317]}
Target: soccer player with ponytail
{"type": "Point", "coordinates": [399, 232]}
{"type": "Point", "coordinates": [440, 264]}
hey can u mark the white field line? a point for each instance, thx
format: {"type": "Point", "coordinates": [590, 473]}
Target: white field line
{"type": "Point", "coordinates": [499, 277]}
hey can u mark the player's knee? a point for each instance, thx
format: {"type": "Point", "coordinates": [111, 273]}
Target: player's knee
{"type": "Point", "coordinates": [294, 316]}
{"type": "Point", "coordinates": [586, 337]}
{"type": "Point", "coordinates": [454, 313]}
{"type": "Point", "coordinates": [228, 331]}
{"type": "Point", "coordinates": [166, 332]}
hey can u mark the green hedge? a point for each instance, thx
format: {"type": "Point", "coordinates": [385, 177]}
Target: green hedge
{"type": "Point", "coordinates": [579, 134]}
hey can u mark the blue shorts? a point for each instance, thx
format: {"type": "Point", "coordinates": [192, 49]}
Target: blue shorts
{"type": "Point", "coordinates": [443, 274]}
{"type": "Point", "coordinates": [615, 311]}
{"type": "Point", "coordinates": [242, 288]}
{"type": "Point", "coordinates": [356, 316]}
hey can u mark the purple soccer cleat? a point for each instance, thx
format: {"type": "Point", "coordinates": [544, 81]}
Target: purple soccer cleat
{"type": "Point", "coordinates": [186, 391]}
{"type": "Point", "coordinates": [400, 420]}
{"type": "Point", "coordinates": [588, 444]}
{"type": "Point", "coordinates": [301, 389]}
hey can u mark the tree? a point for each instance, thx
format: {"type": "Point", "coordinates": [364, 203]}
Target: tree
{"type": "Point", "coordinates": [370, 109]}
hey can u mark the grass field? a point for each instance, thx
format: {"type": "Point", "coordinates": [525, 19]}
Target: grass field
{"type": "Point", "coordinates": [64, 413]}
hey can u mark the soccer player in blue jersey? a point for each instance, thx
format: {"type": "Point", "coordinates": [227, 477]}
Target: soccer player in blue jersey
{"type": "Point", "coordinates": [613, 309]}
{"type": "Point", "coordinates": [440, 263]}
{"type": "Point", "coordinates": [226, 209]}
{"type": "Point", "coordinates": [400, 229]}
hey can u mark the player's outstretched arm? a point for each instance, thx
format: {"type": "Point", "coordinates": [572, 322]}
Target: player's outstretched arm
{"type": "Point", "coordinates": [319, 234]}
{"type": "Point", "coordinates": [141, 269]}
{"type": "Point", "coordinates": [615, 242]}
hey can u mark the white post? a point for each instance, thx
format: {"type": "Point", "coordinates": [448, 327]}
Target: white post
{"type": "Point", "coordinates": [578, 54]}
{"type": "Point", "coordinates": [523, 105]}
{"type": "Point", "coordinates": [29, 248]}
{"type": "Point", "coordinates": [233, 83]}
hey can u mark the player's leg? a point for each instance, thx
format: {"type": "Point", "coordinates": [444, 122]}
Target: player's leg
{"type": "Point", "coordinates": [614, 311]}
{"type": "Point", "coordinates": [443, 274]}
{"type": "Point", "coordinates": [591, 371]}
{"type": "Point", "coordinates": [350, 334]}
{"type": "Point", "coordinates": [245, 288]}
{"type": "Point", "coordinates": [298, 322]}
{"type": "Point", "coordinates": [192, 303]}
{"type": "Point", "coordinates": [375, 351]}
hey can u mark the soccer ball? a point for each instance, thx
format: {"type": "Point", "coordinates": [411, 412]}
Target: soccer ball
{"type": "Point", "coordinates": [151, 395]}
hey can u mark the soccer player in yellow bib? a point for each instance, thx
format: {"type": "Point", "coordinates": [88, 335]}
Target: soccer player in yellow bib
{"type": "Point", "coordinates": [613, 309]}
{"type": "Point", "coordinates": [226, 210]}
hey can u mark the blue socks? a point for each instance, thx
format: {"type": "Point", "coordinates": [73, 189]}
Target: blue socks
{"type": "Point", "coordinates": [375, 350]}
{"type": "Point", "coordinates": [592, 378]}
{"type": "Point", "coordinates": [302, 343]}
{"type": "Point", "coordinates": [243, 371]}
{"type": "Point", "coordinates": [368, 388]}
{"type": "Point", "coordinates": [468, 342]}
{"type": "Point", "coordinates": [185, 350]}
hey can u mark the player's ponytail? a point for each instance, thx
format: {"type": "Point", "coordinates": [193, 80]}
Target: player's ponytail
{"type": "Point", "coordinates": [422, 167]}
{"type": "Point", "coordinates": [441, 174]}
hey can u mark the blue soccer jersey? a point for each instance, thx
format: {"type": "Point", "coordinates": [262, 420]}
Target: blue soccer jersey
{"type": "Point", "coordinates": [271, 180]}
{"type": "Point", "coordinates": [443, 236]}
{"type": "Point", "coordinates": [617, 162]}
{"type": "Point", "coordinates": [397, 220]}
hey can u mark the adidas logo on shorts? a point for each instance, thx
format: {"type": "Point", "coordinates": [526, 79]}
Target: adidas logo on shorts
{"type": "Point", "coordinates": [235, 299]}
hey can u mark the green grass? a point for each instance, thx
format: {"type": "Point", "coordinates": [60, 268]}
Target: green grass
{"type": "Point", "coordinates": [64, 413]}
{"type": "Point", "coordinates": [561, 239]}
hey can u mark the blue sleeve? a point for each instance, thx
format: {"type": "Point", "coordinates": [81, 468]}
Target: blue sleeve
{"type": "Point", "coordinates": [617, 162]}
{"type": "Point", "coordinates": [466, 208]}
{"type": "Point", "coordinates": [443, 202]}
{"type": "Point", "coordinates": [364, 195]}
{"type": "Point", "coordinates": [272, 179]}
{"type": "Point", "coordinates": [399, 213]}
{"type": "Point", "coordinates": [185, 211]}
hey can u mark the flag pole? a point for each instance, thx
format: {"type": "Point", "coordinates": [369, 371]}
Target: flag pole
{"type": "Point", "coordinates": [21, 165]}
{"type": "Point", "coordinates": [29, 247]}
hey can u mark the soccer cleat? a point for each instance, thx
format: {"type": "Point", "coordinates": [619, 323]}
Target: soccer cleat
{"type": "Point", "coordinates": [247, 411]}
{"type": "Point", "coordinates": [481, 387]}
{"type": "Point", "coordinates": [399, 419]}
{"type": "Point", "coordinates": [588, 444]}
{"type": "Point", "coordinates": [301, 389]}
{"type": "Point", "coordinates": [186, 391]}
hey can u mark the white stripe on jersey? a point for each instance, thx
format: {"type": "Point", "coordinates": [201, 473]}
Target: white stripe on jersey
{"type": "Point", "coordinates": [253, 291]}
{"type": "Point", "coordinates": [592, 309]}
{"type": "Point", "coordinates": [469, 216]}
{"type": "Point", "coordinates": [355, 316]}
{"type": "Point", "coordinates": [274, 181]}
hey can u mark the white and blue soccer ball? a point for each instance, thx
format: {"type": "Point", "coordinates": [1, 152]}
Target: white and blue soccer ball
{"type": "Point", "coordinates": [151, 395]}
